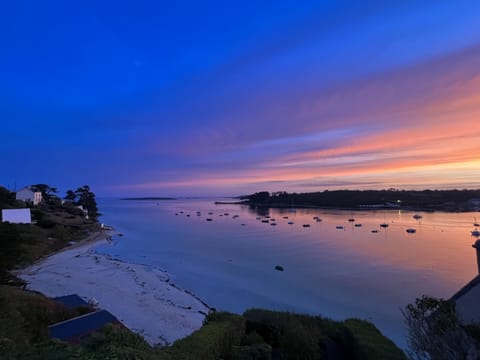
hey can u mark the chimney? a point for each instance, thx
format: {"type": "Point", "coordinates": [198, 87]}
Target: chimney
{"type": "Point", "coordinates": [477, 247]}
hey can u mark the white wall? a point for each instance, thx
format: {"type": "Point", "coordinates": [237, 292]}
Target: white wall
{"type": "Point", "coordinates": [25, 195]}
{"type": "Point", "coordinates": [17, 216]}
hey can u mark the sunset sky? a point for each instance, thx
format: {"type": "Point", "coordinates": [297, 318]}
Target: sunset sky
{"type": "Point", "coordinates": [231, 97]}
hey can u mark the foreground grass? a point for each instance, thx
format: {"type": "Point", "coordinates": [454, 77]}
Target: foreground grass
{"type": "Point", "coordinates": [258, 334]}
{"type": "Point", "coordinates": [25, 316]}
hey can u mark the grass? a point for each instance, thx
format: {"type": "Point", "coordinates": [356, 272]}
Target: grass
{"type": "Point", "coordinates": [371, 341]}
{"type": "Point", "coordinates": [23, 244]}
{"type": "Point", "coordinates": [25, 315]}
{"type": "Point", "coordinates": [214, 340]}
{"type": "Point", "coordinates": [297, 336]}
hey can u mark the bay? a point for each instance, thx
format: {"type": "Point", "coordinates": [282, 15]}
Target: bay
{"type": "Point", "coordinates": [229, 262]}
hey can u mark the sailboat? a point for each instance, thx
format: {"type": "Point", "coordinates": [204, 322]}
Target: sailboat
{"type": "Point", "coordinates": [475, 223]}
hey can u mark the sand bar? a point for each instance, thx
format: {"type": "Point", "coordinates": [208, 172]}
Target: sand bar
{"type": "Point", "coordinates": [141, 297]}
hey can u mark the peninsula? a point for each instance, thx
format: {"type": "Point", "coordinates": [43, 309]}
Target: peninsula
{"type": "Point", "coordinates": [424, 200]}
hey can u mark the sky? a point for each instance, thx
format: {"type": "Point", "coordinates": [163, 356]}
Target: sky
{"type": "Point", "coordinates": [185, 98]}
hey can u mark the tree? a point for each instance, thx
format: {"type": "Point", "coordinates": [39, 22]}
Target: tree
{"type": "Point", "coordinates": [86, 198]}
{"type": "Point", "coordinates": [6, 197]}
{"type": "Point", "coordinates": [49, 194]}
{"type": "Point", "coordinates": [435, 332]}
{"type": "Point", "coordinates": [70, 195]}
{"type": "Point", "coordinates": [45, 189]}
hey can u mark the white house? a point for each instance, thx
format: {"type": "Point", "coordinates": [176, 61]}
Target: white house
{"type": "Point", "coordinates": [28, 195]}
{"type": "Point", "coordinates": [17, 216]}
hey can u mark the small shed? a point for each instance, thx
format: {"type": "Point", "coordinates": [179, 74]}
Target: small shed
{"type": "Point", "coordinates": [76, 329]}
{"type": "Point", "coordinates": [72, 301]}
{"type": "Point", "coordinates": [17, 216]}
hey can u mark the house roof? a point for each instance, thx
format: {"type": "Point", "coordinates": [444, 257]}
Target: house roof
{"type": "Point", "coordinates": [26, 188]}
{"type": "Point", "coordinates": [74, 329]}
{"type": "Point", "coordinates": [467, 300]}
{"type": "Point", "coordinates": [71, 301]}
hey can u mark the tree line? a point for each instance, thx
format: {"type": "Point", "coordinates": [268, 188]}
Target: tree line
{"type": "Point", "coordinates": [82, 196]}
{"type": "Point", "coordinates": [427, 199]}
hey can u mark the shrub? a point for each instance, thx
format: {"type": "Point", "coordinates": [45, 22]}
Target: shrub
{"type": "Point", "coordinates": [435, 332]}
{"type": "Point", "coordinates": [371, 342]}
{"type": "Point", "coordinates": [214, 340]}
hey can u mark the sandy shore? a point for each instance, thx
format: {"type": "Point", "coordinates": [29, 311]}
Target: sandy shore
{"type": "Point", "coordinates": [141, 297]}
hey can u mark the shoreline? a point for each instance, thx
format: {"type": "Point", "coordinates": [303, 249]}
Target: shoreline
{"type": "Point", "coordinates": [346, 208]}
{"type": "Point", "coordinates": [142, 297]}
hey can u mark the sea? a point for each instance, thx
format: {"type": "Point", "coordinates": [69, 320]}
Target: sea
{"type": "Point", "coordinates": [333, 263]}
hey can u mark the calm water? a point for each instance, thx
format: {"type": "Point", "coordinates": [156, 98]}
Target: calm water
{"type": "Point", "coordinates": [338, 273]}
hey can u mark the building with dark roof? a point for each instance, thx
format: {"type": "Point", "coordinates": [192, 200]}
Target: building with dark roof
{"type": "Point", "coordinates": [74, 330]}
{"type": "Point", "coordinates": [71, 301]}
{"type": "Point", "coordinates": [467, 299]}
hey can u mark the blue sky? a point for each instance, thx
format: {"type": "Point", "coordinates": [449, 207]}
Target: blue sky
{"type": "Point", "coordinates": [150, 97]}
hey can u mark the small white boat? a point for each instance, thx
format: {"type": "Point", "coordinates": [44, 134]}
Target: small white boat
{"type": "Point", "coordinates": [417, 216]}
{"type": "Point", "coordinates": [411, 230]}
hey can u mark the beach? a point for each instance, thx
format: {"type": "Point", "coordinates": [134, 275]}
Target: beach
{"type": "Point", "coordinates": [142, 297]}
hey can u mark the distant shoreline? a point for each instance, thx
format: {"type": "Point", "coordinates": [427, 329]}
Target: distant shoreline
{"type": "Point", "coordinates": [348, 208]}
{"type": "Point", "coordinates": [148, 198]}
{"type": "Point", "coordinates": [360, 200]}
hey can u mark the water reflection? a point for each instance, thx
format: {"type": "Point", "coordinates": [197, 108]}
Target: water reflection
{"type": "Point", "coordinates": [349, 272]}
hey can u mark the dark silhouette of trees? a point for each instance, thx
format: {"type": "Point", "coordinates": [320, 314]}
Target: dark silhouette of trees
{"type": "Point", "coordinates": [86, 198]}
{"type": "Point", "coordinates": [70, 196]}
{"type": "Point", "coordinates": [49, 194]}
{"type": "Point", "coordinates": [435, 332]}
{"type": "Point", "coordinates": [455, 200]}
{"type": "Point", "coordinates": [7, 198]}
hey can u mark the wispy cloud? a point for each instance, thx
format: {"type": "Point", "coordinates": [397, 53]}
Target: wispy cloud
{"type": "Point", "coordinates": [414, 126]}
